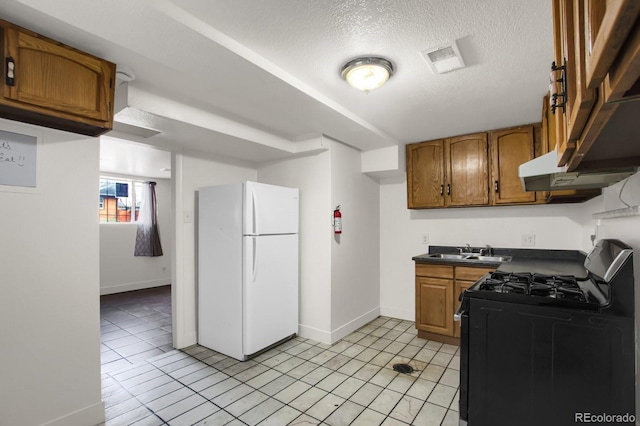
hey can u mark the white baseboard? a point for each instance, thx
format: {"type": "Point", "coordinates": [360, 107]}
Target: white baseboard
{"type": "Point", "coordinates": [355, 324]}
{"type": "Point", "coordinates": [121, 288]}
{"type": "Point", "coordinates": [393, 312]}
{"type": "Point", "coordinates": [91, 415]}
{"type": "Point", "coordinates": [330, 337]}
{"type": "Point", "coordinates": [316, 334]}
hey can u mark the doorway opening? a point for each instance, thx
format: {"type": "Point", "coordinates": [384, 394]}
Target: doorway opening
{"type": "Point", "coordinates": [134, 326]}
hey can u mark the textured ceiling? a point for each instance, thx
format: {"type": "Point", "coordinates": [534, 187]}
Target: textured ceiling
{"type": "Point", "coordinates": [252, 79]}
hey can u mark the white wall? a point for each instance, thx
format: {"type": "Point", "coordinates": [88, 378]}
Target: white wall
{"type": "Point", "coordinates": [339, 277]}
{"type": "Point", "coordinates": [49, 309]}
{"type": "Point", "coordinates": [558, 226]}
{"type": "Point", "coordinates": [355, 254]}
{"type": "Point", "coordinates": [120, 270]}
{"type": "Point", "coordinates": [312, 176]}
{"type": "Point", "coordinates": [189, 174]}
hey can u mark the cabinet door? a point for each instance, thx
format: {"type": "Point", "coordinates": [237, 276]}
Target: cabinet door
{"type": "Point", "coordinates": [434, 305]}
{"type": "Point", "coordinates": [560, 20]}
{"type": "Point", "coordinates": [580, 98]}
{"type": "Point", "coordinates": [467, 170]}
{"type": "Point", "coordinates": [607, 23]}
{"type": "Point", "coordinates": [570, 52]}
{"type": "Point", "coordinates": [425, 174]}
{"type": "Point", "coordinates": [621, 82]}
{"type": "Point", "coordinates": [56, 77]}
{"type": "Point", "coordinates": [509, 149]}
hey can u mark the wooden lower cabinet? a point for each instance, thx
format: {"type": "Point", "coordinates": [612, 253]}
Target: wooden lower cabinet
{"type": "Point", "coordinates": [438, 288]}
{"type": "Point", "coordinates": [435, 311]}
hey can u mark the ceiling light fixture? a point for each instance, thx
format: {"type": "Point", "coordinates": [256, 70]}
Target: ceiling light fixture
{"type": "Point", "coordinates": [367, 73]}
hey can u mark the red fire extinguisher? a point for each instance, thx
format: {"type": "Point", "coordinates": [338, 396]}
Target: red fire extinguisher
{"type": "Point", "coordinates": [337, 221]}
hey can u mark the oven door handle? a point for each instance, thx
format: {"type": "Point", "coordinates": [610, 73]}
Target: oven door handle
{"type": "Point", "coordinates": [458, 315]}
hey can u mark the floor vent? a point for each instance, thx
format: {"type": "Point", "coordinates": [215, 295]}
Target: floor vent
{"type": "Point", "coordinates": [403, 368]}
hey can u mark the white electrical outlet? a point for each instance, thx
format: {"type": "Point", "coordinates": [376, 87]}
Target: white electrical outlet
{"type": "Point", "coordinates": [425, 239]}
{"type": "Point", "coordinates": [528, 240]}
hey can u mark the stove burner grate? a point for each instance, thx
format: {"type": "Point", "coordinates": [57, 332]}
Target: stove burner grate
{"type": "Point", "coordinates": [552, 286]}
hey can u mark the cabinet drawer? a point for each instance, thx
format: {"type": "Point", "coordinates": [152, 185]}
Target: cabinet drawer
{"type": "Point", "coordinates": [471, 274]}
{"type": "Point", "coordinates": [438, 271]}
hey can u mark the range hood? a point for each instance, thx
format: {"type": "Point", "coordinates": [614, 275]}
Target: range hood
{"type": "Point", "coordinates": [543, 174]}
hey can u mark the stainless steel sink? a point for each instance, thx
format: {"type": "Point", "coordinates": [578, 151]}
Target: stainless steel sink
{"type": "Point", "coordinates": [470, 256]}
{"type": "Point", "coordinates": [447, 256]}
{"type": "Point", "coordinates": [488, 258]}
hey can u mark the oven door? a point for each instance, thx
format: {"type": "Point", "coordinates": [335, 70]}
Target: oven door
{"type": "Point", "coordinates": [540, 365]}
{"type": "Point", "coordinates": [462, 315]}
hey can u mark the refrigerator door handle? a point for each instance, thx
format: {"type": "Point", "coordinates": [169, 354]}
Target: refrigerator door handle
{"type": "Point", "coordinates": [255, 259]}
{"type": "Point", "coordinates": [254, 206]}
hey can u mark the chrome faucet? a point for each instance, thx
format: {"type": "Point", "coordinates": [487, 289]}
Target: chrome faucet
{"type": "Point", "coordinates": [467, 249]}
{"type": "Point", "coordinates": [487, 251]}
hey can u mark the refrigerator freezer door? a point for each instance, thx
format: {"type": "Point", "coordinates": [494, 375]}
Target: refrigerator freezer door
{"type": "Point", "coordinates": [270, 209]}
{"type": "Point", "coordinates": [270, 290]}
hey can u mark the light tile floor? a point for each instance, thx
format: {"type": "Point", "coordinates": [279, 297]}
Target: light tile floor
{"type": "Point", "coordinates": [300, 382]}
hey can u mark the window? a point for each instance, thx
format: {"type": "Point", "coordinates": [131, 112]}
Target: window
{"type": "Point", "coordinates": [117, 196]}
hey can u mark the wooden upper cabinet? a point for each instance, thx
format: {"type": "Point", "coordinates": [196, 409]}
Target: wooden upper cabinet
{"type": "Point", "coordinates": [597, 42]}
{"type": "Point", "coordinates": [560, 30]}
{"type": "Point", "coordinates": [448, 172]}
{"type": "Point", "coordinates": [623, 80]}
{"type": "Point", "coordinates": [55, 85]}
{"type": "Point", "coordinates": [455, 172]}
{"type": "Point", "coordinates": [607, 23]}
{"type": "Point", "coordinates": [425, 174]}
{"type": "Point", "coordinates": [509, 149]}
{"type": "Point", "coordinates": [580, 98]}
{"type": "Point", "coordinates": [467, 170]}
{"type": "Point", "coordinates": [569, 26]}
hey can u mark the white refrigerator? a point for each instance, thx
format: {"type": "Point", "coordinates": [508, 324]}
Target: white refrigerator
{"type": "Point", "coordinates": [247, 267]}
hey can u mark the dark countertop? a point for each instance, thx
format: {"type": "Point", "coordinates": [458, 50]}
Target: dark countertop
{"type": "Point", "coordinates": [540, 261]}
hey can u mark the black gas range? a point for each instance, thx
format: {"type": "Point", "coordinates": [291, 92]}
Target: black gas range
{"type": "Point", "coordinates": [539, 348]}
{"type": "Point", "coordinates": [540, 289]}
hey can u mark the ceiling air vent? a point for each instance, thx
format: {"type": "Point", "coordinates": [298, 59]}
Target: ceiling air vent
{"type": "Point", "coordinates": [444, 58]}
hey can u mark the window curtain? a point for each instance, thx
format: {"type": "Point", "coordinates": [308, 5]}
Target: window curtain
{"type": "Point", "coordinates": [147, 236]}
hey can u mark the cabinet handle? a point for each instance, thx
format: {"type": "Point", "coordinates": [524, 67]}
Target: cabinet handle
{"type": "Point", "coordinates": [553, 99]}
{"type": "Point", "coordinates": [441, 190]}
{"type": "Point", "coordinates": [10, 71]}
{"type": "Point", "coordinates": [448, 189]}
{"type": "Point", "coordinates": [496, 186]}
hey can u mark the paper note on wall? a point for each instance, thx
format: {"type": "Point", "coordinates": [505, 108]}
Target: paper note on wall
{"type": "Point", "coordinates": [18, 159]}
